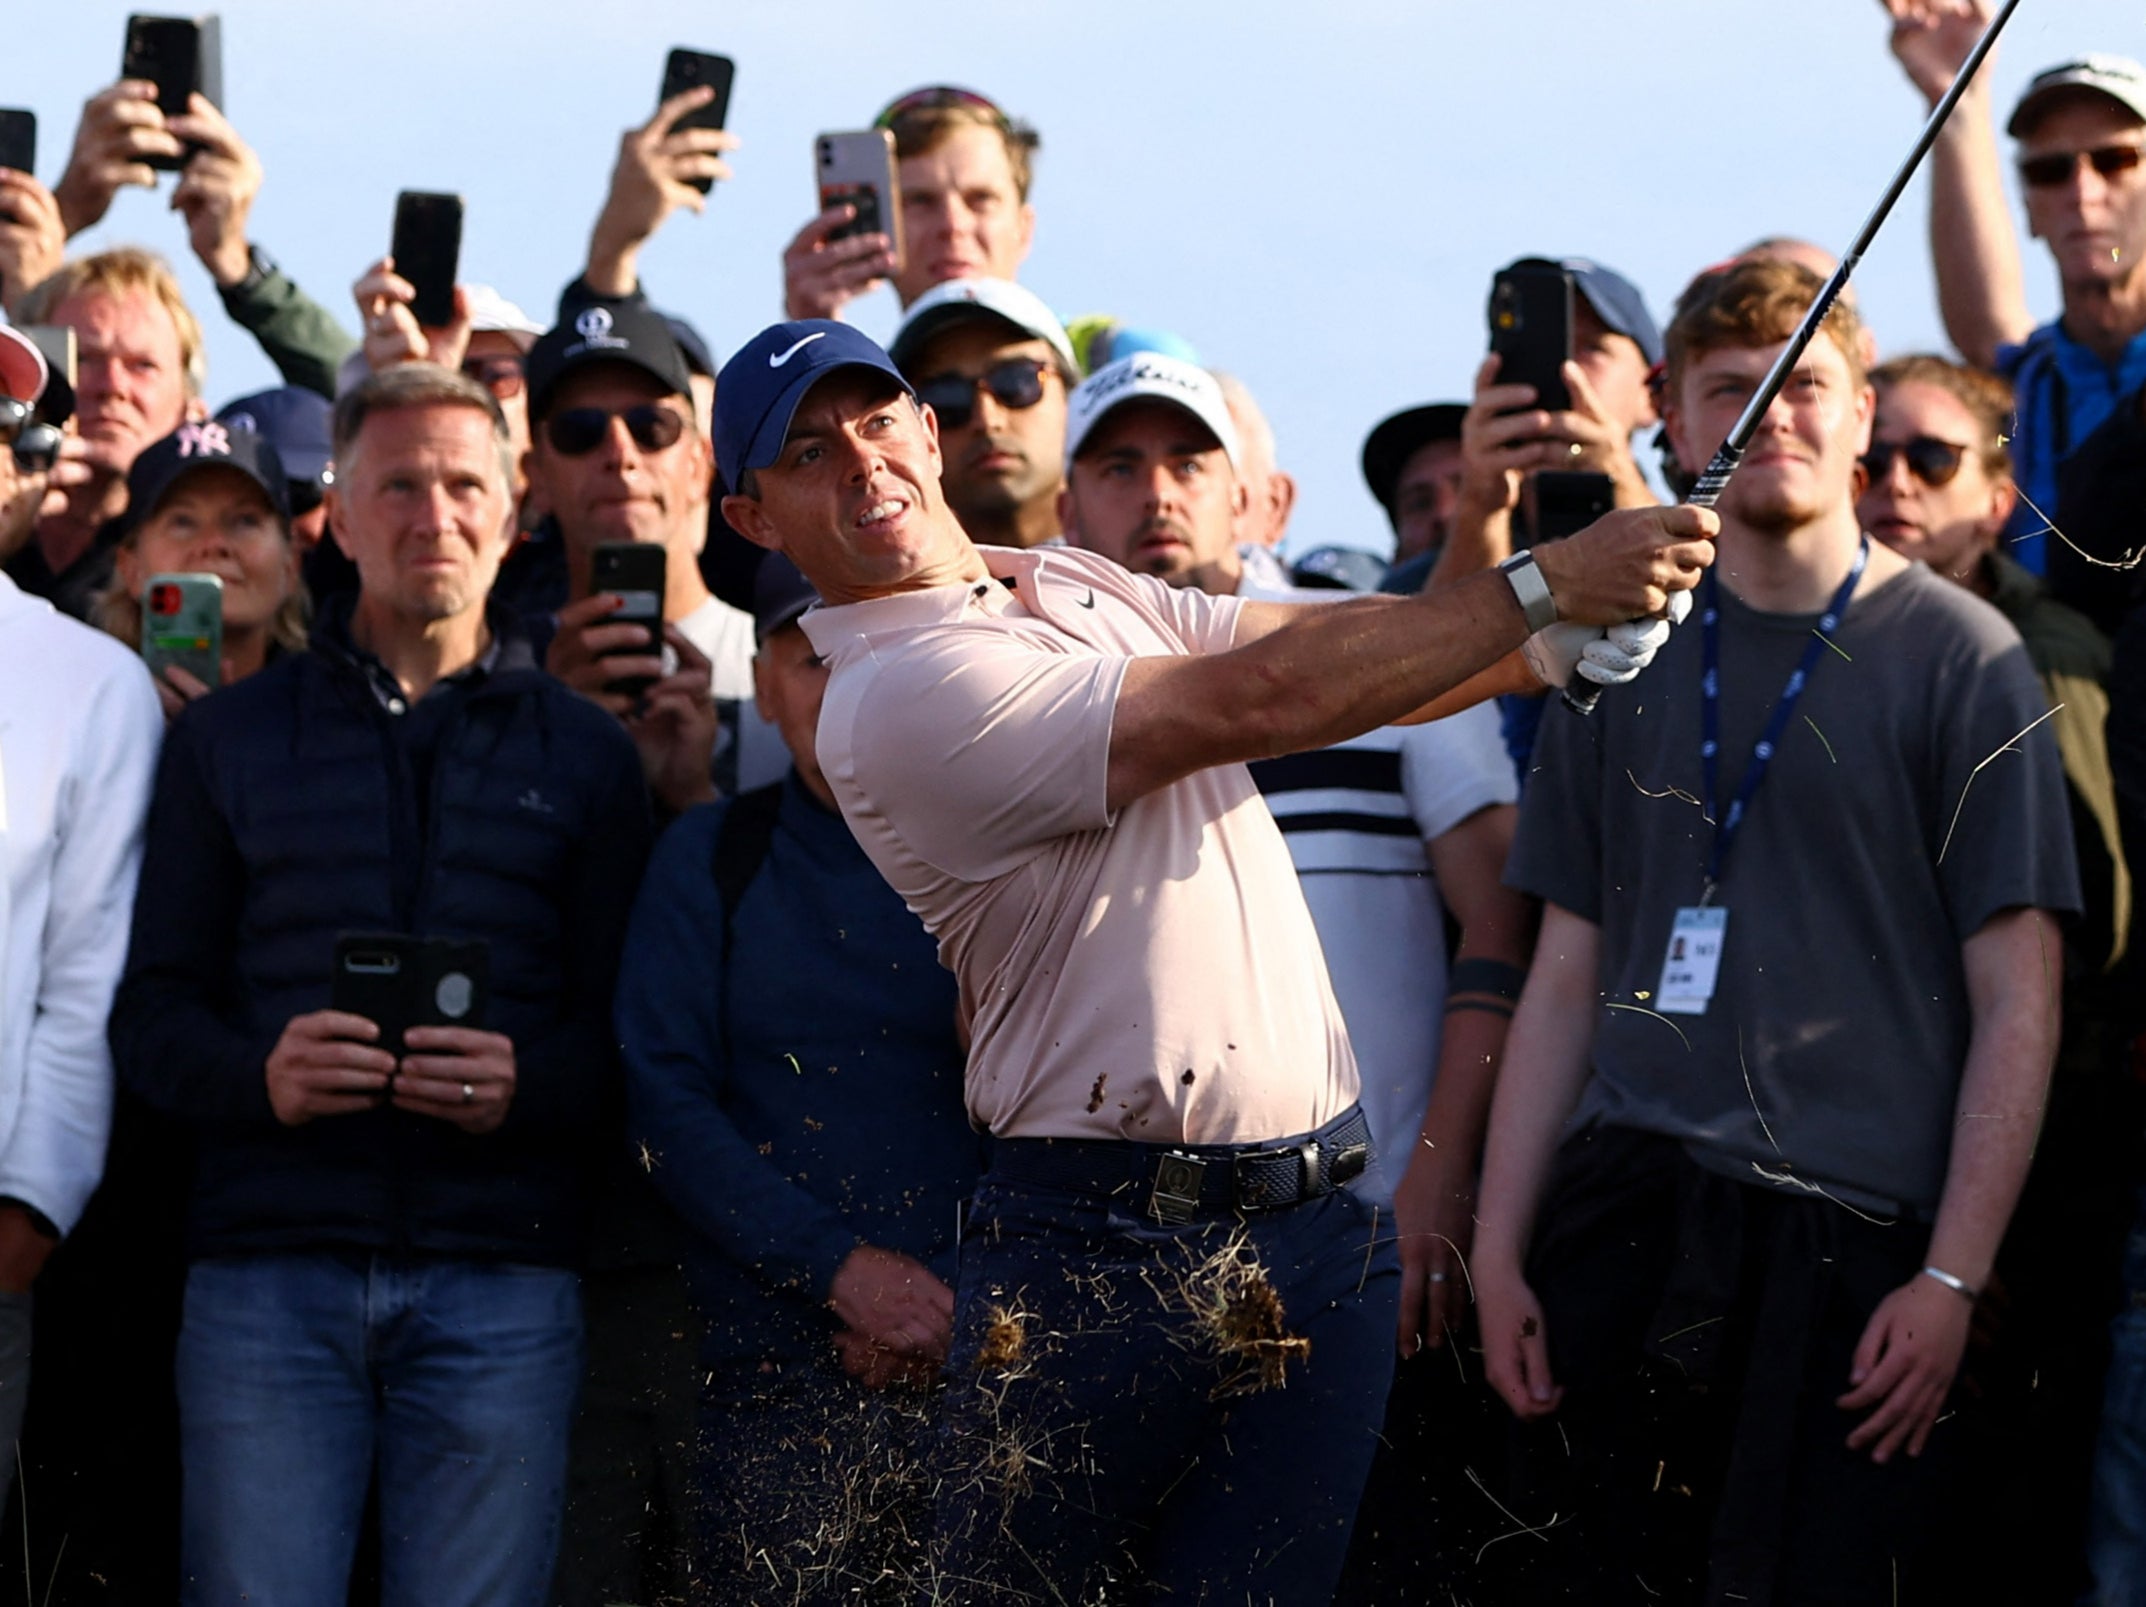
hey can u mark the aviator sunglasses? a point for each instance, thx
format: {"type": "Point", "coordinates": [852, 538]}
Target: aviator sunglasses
{"type": "Point", "coordinates": [582, 429]}
{"type": "Point", "coordinates": [1016, 383]}
{"type": "Point", "coordinates": [2045, 172]}
{"type": "Point", "coordinates": [1930, 460]}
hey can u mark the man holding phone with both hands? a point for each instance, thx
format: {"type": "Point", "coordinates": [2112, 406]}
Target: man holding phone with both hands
{"type": "Point", "coordinates": [381, 1248]}
{"type": "Point", "coordinates": [1044, 755]}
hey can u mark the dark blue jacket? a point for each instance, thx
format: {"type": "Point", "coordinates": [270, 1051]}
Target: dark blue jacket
{"type": "Point", "coordinates": [801, 1095]}
{"type": "Point", "coordinates": [287, 812]}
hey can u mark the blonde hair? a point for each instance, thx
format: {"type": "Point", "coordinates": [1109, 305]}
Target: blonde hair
{"type": "Point", "coordinates": [924, 128]}
{"type": "Point", "coordinates": [125, 270]}
{"type": "Point", "coordinates": [117, 611]}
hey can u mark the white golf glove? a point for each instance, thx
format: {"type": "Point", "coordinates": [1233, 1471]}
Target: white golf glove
{"type": "Point", "coordinates": [1608, 658]}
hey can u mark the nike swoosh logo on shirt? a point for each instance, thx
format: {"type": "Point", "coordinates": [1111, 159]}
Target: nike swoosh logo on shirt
{"type": "Point", "coordinates": [1089, 600]}
{"type": "Point", "coordinates": [777, 362]}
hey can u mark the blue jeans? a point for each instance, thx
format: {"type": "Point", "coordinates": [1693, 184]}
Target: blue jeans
{"type": "Point", "coordinates": [301, 1376]}
{"type": "Point", "coordinates": [1105, 1431]}
{"type": "Point", "coordinates": [2116, 1534]}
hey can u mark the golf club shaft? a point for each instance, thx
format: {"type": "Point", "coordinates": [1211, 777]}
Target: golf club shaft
{"type": "Point", "coordinates": [1582, 694]}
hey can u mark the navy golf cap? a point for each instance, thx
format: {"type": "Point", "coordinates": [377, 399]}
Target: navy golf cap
{"type": "Point", "coordinates": [163, 464]}
{"type": "Point", "coordinates": [781, 594]}
{"type": "Point", "coordinates": [759, 389]}
{"type": "Point", "coordinates": [1615, 299]}
{"type": "Point", "coordinates": [295, 421]}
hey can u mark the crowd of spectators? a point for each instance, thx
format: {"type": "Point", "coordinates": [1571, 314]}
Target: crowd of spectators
{"type": "Point", "coordinates": [1727, 1186]}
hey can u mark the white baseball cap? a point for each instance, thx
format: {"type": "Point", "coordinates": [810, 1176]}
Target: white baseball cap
{"type": "Point", "coordinates": [952, 300]}
{"type": "Point", "coordinates": [490, 311]}
{"type": "Point", "coordinates": [2118, 77]}
{"type": "Point", "coordinates": [1150, 375]}
{"type": "Point", "coordinates": [22, 365]}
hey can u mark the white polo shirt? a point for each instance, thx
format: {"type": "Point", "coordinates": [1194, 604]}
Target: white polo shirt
{"type": "Point", "coordinates": [1153, 975]}
{"type": "Point", "coordinates": [79, 734]}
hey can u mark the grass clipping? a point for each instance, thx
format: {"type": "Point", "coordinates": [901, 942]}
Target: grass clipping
{"type": "Point", "coordinates": [1237, 1318]}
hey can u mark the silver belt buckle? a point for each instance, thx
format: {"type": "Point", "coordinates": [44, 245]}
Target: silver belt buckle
{"type": "Point", "coordinates": [1175, 1197]}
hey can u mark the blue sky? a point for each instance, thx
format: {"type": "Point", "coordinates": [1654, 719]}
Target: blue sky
{"type": "Point", "coordinates": [1316, 201]}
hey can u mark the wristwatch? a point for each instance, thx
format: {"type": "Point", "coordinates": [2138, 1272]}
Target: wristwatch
{"type": "Point", "coordinates": [260, 266]}
{"type": "Point", "coordinates": [1530, 590]}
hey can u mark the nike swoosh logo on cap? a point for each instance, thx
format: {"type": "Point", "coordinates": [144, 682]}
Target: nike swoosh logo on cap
{"type": "Point", "coordinates": [777, 362]}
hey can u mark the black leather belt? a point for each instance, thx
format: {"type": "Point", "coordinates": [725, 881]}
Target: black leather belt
{"type": "Point", "coordinates": [1175, 1183]}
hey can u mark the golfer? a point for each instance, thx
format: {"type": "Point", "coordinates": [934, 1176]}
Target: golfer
{"type": "Point", "coordinates": [1044, 754]}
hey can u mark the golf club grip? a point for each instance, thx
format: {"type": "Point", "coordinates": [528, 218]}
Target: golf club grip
{"type": "Point", "coordinates": [1580, 694]}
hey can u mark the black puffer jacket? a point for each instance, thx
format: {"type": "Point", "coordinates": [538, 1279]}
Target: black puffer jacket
{"type": "Point", "coordinates": [287, 812]}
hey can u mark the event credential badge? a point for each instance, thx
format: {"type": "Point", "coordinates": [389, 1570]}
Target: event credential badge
{"type": "Point", "coordinates": [1693, 963]}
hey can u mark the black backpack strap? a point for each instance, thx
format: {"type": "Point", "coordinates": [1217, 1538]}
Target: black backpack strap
{"type": "Point", "coordinates": [741, 846]}
{"type": "Point", "coordinates": [742, 840]}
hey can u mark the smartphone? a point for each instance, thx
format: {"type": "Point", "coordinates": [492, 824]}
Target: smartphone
{"type": "Point", "coordinates": [398, 982]}
{"type": "Point", "coordinates": [689, 69]}
{"type": "Point", "coordinates": [1531, 330]}
{"type": "Point", "coordinates": [1567, 502]}
{"type": "Point", "coordinates": [183, 625]}
{"type": "Point", "coordinates": [859, 168]}
{"type": "Point", "coordinates": [182, 56]}
{"type": "Point", "coordinates": [427, 250]}
{"type": "Point", "coordinates": [633, 572]}
{"type": "Point", "coordinates": [57, 342]}
{"type": "Point", "coordinates": [18, 139]}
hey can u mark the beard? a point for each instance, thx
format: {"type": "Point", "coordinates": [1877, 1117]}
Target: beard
{"type": "Point", "coordinates": [1772, 509]}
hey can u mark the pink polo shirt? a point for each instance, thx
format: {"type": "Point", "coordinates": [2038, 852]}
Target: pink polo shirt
{"type": "Point", "coordinates": [1153, 976]}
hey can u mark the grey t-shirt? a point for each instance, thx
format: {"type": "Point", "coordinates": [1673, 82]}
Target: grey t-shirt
{"type": "Point", "coordinates": [1833, 1045]}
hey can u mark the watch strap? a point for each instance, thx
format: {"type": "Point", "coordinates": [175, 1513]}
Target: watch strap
{"type": "Point", "coordinates": [1530, 589]}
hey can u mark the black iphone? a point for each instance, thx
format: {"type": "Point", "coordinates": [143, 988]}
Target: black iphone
{"type": "Point", "coordinates": [398, 982]}
{"type": "Point", "coordinates": [689, 69]}
{"type": "Point", "coordinates": [633, 572]}
{"type": "Point", "coordinates": [18, 139]}
{"type": "Point", "coordinates": [427, 251]}
{"type": "Point", "coordinates": [1531, 330]}
{"type": "Point", "coordinates": [182, 56]}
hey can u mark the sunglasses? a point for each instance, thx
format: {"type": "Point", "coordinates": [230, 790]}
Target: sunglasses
{"type": "Point", "coordinates": [502, 376]}
{"type": "Point", "coordinates": [1930, 460]}
{"type": "Point", "coordinates": [2046, 172]}
{"type": "Point", "coordinates": [36, 447]}
{"type": "Point", "coordinates": [1016, 383]}
{"type": "Point", "coordinates": [583, 429]}
{"type": "Point", "coordinates": [937, 97]}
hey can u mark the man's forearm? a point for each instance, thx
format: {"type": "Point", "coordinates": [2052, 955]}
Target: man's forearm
{"type": "Point", "coordinates": [1539, 1081]}
{"type": "Point", "coordinates": [2015, 967]}
{"type": "Point", "coordinates": [1309, 678]}
{"type": "Point", "coordinates": [297, 334]}
{"type": "Point", "coordinates": [1981, 291]}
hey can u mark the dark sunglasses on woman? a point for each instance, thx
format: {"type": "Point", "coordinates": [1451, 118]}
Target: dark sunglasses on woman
{"type": "Point", "coordinates": [1930, 460]}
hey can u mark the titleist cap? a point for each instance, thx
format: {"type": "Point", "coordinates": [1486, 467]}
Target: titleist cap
{"type": "Point", "coordinates": [1150, 376]}
{"type": "Point", "coordinates": [757, 392]}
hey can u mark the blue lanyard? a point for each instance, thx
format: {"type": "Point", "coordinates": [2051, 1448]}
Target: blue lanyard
{"type": "Point", "coordinates": [1726, 826]}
